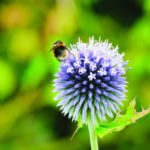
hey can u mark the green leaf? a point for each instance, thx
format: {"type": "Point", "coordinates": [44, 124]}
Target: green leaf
{"type": "Point", "coordinates": [121, 121]}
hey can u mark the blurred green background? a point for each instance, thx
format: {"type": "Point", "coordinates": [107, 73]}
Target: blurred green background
{"type": "Point", "coordinates": [29, 118]}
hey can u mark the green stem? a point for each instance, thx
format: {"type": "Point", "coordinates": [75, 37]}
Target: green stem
{"type": "Point", "coordinates": [92, 133]}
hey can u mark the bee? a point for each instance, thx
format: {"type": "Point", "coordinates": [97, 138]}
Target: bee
{"type": "Point", "coordinates": [60, 50]}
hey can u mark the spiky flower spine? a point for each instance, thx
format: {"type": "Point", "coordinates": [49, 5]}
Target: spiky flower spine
{"type": "Point", "coordinates": [91, 80]}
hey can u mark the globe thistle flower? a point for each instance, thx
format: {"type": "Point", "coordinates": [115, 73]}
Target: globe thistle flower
{"type": "Point", "coordinates": [91, 80]}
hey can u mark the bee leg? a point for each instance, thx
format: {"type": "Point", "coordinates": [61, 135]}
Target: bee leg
{"type": "Point", "coordinates": [72, 53]}
{"type": "Point", "coordinates": [61, 59]}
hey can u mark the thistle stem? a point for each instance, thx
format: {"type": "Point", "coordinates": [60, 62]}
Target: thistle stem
{"type": "Point", "coordinates": [92, 133]}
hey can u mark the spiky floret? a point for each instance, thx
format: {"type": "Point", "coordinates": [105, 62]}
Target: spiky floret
{"type": "Point", "coordinates": [91, 81]}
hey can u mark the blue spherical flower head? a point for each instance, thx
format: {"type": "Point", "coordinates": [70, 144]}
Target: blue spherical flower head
{"type": "Point", "coordinates": [91, 80]}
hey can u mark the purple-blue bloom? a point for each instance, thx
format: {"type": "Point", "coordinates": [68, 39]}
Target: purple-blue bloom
{"type": "Point", "coordinates": [91, 79]}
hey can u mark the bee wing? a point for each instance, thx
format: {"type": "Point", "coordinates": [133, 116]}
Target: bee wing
{"type": "Point", "coordinates": [68, 50]}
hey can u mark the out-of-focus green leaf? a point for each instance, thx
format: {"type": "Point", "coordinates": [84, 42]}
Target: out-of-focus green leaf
{"type": "Point", "coordinates": [147, 6]}
{"type": "Point", "coordinates": [7, 80]}
{"type": "Point", "coordinates": [35, 72]}
{"type": "Point", "coordinates": [122, 121]}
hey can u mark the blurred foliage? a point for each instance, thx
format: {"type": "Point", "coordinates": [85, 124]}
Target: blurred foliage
{"type": "Point", "coordinates": [29, 118]}
{"type": "Point", "coordinates": [7, 79]}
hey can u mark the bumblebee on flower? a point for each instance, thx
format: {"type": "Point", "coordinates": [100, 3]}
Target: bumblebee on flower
{"type": "Point", "coordinates": [92, 82]}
